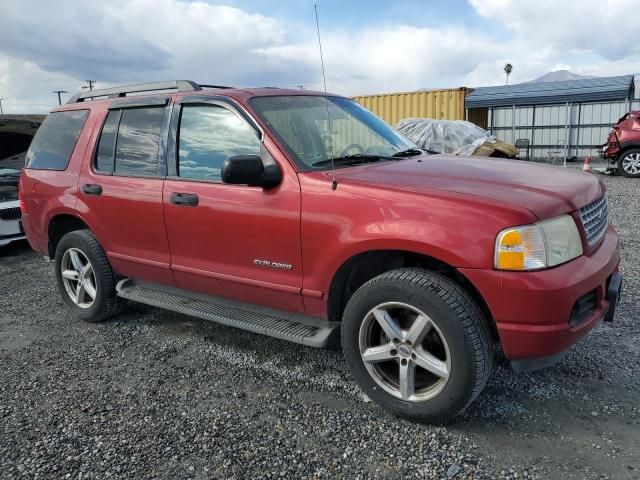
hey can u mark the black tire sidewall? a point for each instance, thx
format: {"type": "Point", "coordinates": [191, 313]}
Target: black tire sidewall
{"type": "Point", "coordinates": [459, 388]}
{"type": "Point", "coordinates": [104, 276]}
{"type": "Point", "coordinates": [621, 157]}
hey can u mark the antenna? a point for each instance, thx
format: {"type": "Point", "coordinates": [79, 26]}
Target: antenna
{"type": "Point", "coordinates": [334, 184]}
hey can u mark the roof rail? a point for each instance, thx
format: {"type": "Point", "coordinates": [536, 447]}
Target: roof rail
{"type": "Point", "coordinates": [180, 85]}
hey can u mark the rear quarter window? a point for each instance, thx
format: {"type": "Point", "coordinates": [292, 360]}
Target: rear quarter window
{"type": "Point", "coordinates": [55, 140]}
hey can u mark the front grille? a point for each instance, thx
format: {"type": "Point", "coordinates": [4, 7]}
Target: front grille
{"type": "Point", "coordinates": [12, 213]}
{"type": "Point", "coordinates": [595, 218]}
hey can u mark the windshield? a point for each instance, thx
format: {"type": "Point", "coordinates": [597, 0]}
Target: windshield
{"type": "Point", "coordinates": [302, 124]}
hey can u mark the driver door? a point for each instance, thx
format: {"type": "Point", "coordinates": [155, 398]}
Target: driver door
{"type": "Point", "coordinates": [224, 239]}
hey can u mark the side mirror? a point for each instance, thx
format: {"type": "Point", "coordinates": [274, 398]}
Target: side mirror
{"type": "Point", "coordinates": [249, 170]}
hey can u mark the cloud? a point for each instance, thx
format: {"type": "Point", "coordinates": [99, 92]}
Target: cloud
{"type": "Point", "coordinates": [46, 46]}
{"type": "Point", "coordinates": [76, 38]}
{"type": "Point", "coordinates": [596, 26]}
{"type": "Point", "coordinates": [390, 58]}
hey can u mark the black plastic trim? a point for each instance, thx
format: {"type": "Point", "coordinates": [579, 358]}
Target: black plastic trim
{"type": "Point", "coordinates": [531, 364]}
{"type": "Point", "coordinates": [143, 102]}
{"type": "Point", "coordinates": [614, 290]}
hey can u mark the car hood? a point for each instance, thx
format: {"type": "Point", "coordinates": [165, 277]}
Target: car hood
{"type": "Point", "coordinates": [546, 191]}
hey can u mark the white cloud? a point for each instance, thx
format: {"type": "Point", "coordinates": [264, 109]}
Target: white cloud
{"type": "Point", "coordinates": [128, 41]}
{"type": "Point", "coordinates": [390, 58]}
{"type": "Point", "coordinates": [27, 88]}
{"type": "Point", "coordinates": [597, 26]}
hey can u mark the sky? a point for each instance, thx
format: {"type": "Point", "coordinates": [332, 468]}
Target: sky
{"type": "Point", "coordinates": [370, 46]}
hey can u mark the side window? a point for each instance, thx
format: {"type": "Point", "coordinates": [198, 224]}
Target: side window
{"type": "Point", "coordinates": [107, 144]}
{"type": "Point", "coordinates": [55, 140]}
{"type": "Point", "coordinates": [129, 141]}
{"type": "Point", "coordinates": [208, 135]}
{"type": "Point", "coordinates": [138, 141]}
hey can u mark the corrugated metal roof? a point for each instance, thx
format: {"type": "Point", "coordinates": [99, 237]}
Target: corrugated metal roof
{"type": "Point", "coordinates": [586, 90]}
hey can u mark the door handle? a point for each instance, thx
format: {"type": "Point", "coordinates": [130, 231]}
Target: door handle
{"type": "Point", "coordinates": [185, 199]}
{"type": "Point", "coordinates": [92, 189]}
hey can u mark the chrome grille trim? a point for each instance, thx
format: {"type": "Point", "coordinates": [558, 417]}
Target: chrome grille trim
{"type": "Point", "coordinates": [595, 219]}
{"type": "Point", "coordinates": [9, 214]}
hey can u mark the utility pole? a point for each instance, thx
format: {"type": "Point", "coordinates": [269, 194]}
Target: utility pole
{"type": "Point", "coordinates": [89, 85]}
{"type": "Point", "coordinates": [1, 105]}
{"type": "Point", "coordinates": [59, 92]}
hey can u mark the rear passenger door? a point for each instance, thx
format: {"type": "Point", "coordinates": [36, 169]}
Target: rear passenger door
{"type": "Point", "coordinates": [233, 241]}
{"type": "Point", "coordinates": [120, 190]}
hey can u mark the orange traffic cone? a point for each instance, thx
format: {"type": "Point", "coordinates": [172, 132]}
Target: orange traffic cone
{"type": "Point", "coordinates": [587, 165]}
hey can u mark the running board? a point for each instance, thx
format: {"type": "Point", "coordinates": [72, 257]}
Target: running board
{"type": "Point", "coordinates": [286, 326]}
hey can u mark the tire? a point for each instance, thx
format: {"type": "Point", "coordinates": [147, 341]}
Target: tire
{"type": "Point", "coordinates": [629, 163]}
{"type": "Point", "coordinates": [81, 246]}
{"type": "Point", "coordinates": [457, 345]}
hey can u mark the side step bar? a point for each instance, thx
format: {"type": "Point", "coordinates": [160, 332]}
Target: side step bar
{"type": "Point", "coordinates": [286, 326]}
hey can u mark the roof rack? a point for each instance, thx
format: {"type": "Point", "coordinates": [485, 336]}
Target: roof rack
{"type": "Point", "coordinates": [180, 85]}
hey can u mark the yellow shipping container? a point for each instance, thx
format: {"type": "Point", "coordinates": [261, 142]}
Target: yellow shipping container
{"type": "Point", "coordinates": [437, 104]}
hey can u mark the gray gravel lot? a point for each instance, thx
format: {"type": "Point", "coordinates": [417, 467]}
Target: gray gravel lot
{"type": "Point", "coordinates": [156, 394]}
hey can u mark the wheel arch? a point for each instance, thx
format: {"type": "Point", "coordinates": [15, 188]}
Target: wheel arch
{"type": "Point", "coordinates": [363, 266]}
{"type": "Point", "coordinates": [61, 224]}
{"type": "Point", "coordinates": [626, 146]}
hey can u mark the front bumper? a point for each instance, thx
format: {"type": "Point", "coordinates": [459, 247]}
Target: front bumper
{"type": "Point", "coordinates": [533, 310]}
{"type": "Point", "coordinates": [10, 228]}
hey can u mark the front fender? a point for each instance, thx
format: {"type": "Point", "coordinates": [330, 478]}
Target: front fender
{"type": "Point", "coordinates": [458, 230]}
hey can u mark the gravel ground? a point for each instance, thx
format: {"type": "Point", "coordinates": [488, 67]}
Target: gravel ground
{"type": "Point", "coordinates": [152, 394]}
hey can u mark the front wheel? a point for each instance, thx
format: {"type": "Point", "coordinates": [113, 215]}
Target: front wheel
{"type": "Point", "coordinates": [417, 344]}
{"type": "Point", "coordinates": [85, 279]}
{"type": "Point", "coordinates": [629, 163]}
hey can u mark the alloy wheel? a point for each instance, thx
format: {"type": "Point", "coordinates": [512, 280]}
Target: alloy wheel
{"type": "Point", "coordinates": [404, 351]}
{"type": "Point", "coordinates": [631, 163]}
{"type": "Point", "coordinates": [78, 278]}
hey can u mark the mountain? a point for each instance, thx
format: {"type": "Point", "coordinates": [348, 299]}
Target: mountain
{"type": "Point", "coordinates": [559, 76]}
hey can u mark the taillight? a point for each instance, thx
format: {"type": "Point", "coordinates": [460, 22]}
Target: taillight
{"type": "Point", "coordinates": [23, 204]}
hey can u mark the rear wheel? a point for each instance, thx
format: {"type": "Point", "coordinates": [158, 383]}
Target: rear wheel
{"type": "Point", "coordinates": [85, 279]}
{"type": "Point", "coordinates": [417, 344]}
{"type": "Point", "coordinates": [629, 163]}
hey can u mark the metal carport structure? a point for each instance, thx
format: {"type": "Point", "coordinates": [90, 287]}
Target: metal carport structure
{"type": "Point", "coordinates": [573, 116]}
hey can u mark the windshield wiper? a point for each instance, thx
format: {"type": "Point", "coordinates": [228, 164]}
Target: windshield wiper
{"type": "Point", "coordinates": [351, 160]}
{"type": "Point", "coordinates": [409, 152]}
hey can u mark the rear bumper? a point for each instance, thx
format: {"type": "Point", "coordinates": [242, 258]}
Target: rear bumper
{"type": "Point", "coordinates": [533, 310]}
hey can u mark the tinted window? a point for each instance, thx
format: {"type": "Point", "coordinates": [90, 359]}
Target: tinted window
{"type": "Point", "coordinates": [208, 135]}
{"type": "Point", "coordinates": [104, 158]}
{"type": "Point", "coordinates": [55, 140]}
{"type": "Point", "coordinates": [138, 141]}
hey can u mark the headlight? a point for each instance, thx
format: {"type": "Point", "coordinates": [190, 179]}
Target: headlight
{"type": "Point", "coordinates": [541, 245]}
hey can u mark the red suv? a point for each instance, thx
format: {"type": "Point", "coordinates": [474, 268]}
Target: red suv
{"type": "Point", "coordinates": [300, 215]}
{"type": "Point", "coordinates": [623, 145]}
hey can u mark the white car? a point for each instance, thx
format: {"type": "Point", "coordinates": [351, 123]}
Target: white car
{"type": "Point", "coordinates": [10, 223]}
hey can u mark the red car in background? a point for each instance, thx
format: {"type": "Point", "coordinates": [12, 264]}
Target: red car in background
{"type": "Point", "coordinates": [623, 145]}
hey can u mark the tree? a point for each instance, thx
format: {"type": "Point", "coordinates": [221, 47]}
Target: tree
{"type": "Point", "coordinates": [508, 68]}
